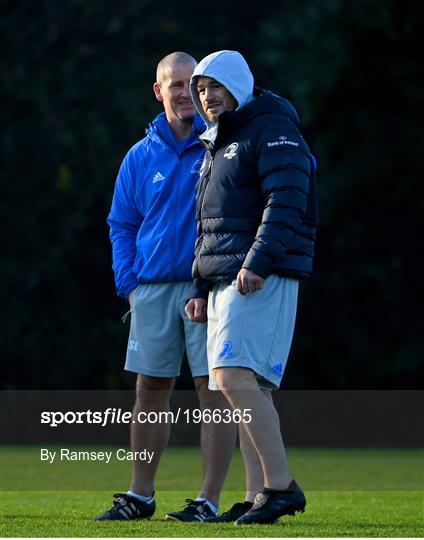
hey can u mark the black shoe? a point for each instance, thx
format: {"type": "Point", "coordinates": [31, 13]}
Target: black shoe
{"type": "Point", "coordinates": [236, 511]}
{"type": "Point", "coordinates": [270, 505]}
{"type": "Point", "coordinates": [194, 511]}
{"type": "Point", "coordinates": [127, 507]}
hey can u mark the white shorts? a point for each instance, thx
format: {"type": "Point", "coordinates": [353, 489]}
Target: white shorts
{"type": "Point", "coordinates": [161, 331]}
{"type": "Point", "coordinates": [253, 331]}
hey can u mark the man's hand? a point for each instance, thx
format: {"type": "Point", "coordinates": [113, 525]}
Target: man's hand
{"type": "Point", "coordinates": [196, 310]}
{"type": "Point", "coordinates": [248, 281]}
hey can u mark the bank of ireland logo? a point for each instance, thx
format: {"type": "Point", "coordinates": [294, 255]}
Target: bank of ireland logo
{"type": "Point", "coordinates": [227, 350]}
{"type": "Point", "coordinates": [282, 141]}
{"type": "Point", "coordinates": [231, 150]}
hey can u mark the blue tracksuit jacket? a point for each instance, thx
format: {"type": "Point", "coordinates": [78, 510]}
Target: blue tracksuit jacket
{"type": "Point", "coordinates": [152, 219]}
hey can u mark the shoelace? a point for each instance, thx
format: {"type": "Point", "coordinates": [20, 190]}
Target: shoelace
{"type": "Point", "coordinates": [192, 506]}
{"type": "Point", "coordinates": [118, 500]}
{"type": "Point", "coordinates": [118, 496]}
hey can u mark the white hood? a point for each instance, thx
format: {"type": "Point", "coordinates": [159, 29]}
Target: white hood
{"type": "Point", "coordinates": [231, 70]}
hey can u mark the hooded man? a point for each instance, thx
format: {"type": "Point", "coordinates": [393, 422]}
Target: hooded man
{"type": "Point", "coordinates": [257, 217]}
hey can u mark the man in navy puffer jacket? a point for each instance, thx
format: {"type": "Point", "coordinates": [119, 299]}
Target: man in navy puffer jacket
{"type": "Point", "coordinates": [152, 229]}
{"type": "Point", "coordinates": [257, 216]}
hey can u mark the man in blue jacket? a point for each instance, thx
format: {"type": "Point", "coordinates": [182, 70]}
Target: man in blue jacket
{"type": "Point", "coordinates": [153, 230]}
{"type": "Point", "coordinates": [257, 216]}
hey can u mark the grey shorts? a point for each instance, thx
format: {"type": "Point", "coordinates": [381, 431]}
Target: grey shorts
{"type": "Point", "coordinates": [161, 331]}
{"type": "Point", "coordinates": [254, 331]}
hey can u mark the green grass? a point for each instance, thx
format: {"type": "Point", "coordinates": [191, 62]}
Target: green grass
{"type": "Point", "coordinates": [355, 493]}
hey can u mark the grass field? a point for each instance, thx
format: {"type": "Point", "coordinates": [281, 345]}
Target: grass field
{"type": "Point", "coordinates": [355, 493]}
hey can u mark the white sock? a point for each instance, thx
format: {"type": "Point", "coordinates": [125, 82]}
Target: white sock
{"type": "Point", "coordinates": [141, 497]}
{"type": "Point", "coordinates": [209, 503]}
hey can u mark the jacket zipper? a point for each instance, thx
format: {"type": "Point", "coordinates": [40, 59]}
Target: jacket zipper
{"type": "Point", "coordinates": [209, 174]}
{"type": "Point", "coordinates": [207, 178]}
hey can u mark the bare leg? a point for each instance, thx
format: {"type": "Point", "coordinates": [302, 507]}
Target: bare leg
{"type": "Point", "coordinates": [152, 394]}
{"type": "Point", "coordinates": [241, 389]}
{"type": "Point", "coordinates": [217, 440]}
{"type": "Point", "coordinates": [252, 463]}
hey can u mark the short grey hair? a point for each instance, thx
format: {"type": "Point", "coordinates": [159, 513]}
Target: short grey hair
{"type": "Point", "coordinates": [167, 61]}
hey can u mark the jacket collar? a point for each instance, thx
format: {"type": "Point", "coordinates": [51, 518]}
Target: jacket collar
{"type": "Point", "coordinates": [160, 131]}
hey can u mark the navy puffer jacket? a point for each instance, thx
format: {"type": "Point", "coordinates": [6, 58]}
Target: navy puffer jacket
{"type": "Point", "coordinates": [256, 197]}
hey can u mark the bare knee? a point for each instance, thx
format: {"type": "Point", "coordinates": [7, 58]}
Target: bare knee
{"type": "Point", "coordinates": [201, 384]}
{"type": "Point", "coordinates": [235, 378]}
{"type": "Point", "coordinates": [153, 386]}
{"type": "Point", "coordinates": [203, 393]}
{"type": "Point", "coordinates": [213, 399]}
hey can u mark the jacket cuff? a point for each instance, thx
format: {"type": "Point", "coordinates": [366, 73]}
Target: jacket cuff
{"type": "Point", "coordinates": [199, 289]}
{"type": "Point", "coordinates": [257, 262]}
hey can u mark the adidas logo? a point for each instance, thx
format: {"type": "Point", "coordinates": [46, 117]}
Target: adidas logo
{"type": "Point", "coordinates": [158, 177]}
{"type": "Point", "coordinates": [277, 369]}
